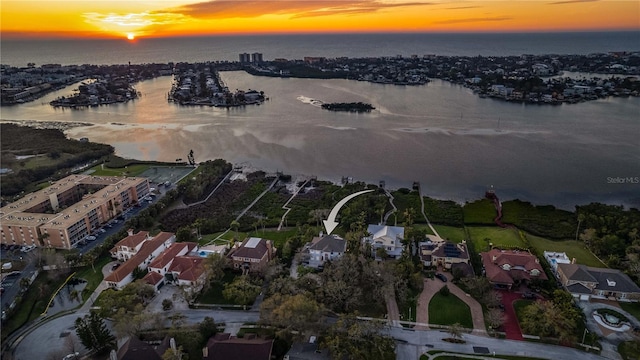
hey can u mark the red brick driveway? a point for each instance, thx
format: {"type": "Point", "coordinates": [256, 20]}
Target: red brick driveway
{"type": "Point", "coordinates": [511, 325]}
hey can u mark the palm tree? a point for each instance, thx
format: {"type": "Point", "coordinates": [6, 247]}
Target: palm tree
{"type": "Point", "coordinates": [580, 220]}
{"type": "Point", "coordinates": [235, 225]}
{"type": "Point", "coordinates": [455, 331]}
{"type": "Point", "coordinates": [408, 217]}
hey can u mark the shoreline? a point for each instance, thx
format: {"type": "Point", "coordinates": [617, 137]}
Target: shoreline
{"type": "Point", "coordinates": [47, 124]}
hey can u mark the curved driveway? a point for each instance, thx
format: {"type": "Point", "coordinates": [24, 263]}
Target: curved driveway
{"type": "Point", "coordinates": [431, 287]}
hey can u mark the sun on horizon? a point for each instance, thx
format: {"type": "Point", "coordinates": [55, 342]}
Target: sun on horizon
{"type": "Point", "coordinates": [131, 36]}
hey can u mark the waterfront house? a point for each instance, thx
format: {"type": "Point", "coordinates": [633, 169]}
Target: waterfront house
{"type": "Point", "coordinates": [325, 248]}
{"type": "Point", "coordinates": [556, 258]}
{"type": "Point", "coordinates": [386, 237]}
{"type": "Point", "coordinates": [585, 282]}
{"type": "Point", "coordinates": [506, 268]}
{"type": "Point", "coordinates": [447, 254]}
{"type": "Point", "coordinates": [252, 255]}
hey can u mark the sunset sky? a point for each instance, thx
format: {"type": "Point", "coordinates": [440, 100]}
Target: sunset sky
{"type": "Point", "coordinates": [163, 18]}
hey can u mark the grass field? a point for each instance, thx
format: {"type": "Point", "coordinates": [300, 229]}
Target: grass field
{"type": "Point", "coordinates": [453, 234]}
{"type": "Point", "coordinates": [42, 160]}
{"type": "Point", "coordinates": [483, 235]}
{"type": "Point", "coordinates": [93, 278]}
{"type": "Point", "coordinates": [448, 310]}
{"type": "Point", "coordinates": [574, 249]}
{"type": "Point", "coordinates": [133, 170]}
{"type": "Point", "coordinates": [519, 306]}
{"type": "Point", "coordinates": [278, 237]}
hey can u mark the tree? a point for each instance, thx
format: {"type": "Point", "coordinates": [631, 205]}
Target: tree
{"type": "Point", "coordinates": [214, 265]}
{"type": "Point", "coordinates": [139, 273]}
{"type": "Point", "coordinates": [131, 323]}
{"type": "Point", "coordinates": [546, 319]}
{"type": "Point", "coordinates": [235, 225]}
{"type": "Point", "coordinates": [184, 234]}
{"type": "Point", "coordinates": [207, 327]}
{"type": "Point", "coordinates": [133, 294]}
{"type": "Point", "coordinates": [455, 331]}
{"type": "Point", "coordinates": [350, 338]}
{"type": "Point", "coordinates": [291, 312]}
{"type": "Point", "coordinates": [444, 291]}
{"type": "Point", "coordinates": [581, 218]}
{"type": "Point", "coordinates": [191, 159]}
{"type": "Point", "coordinates": [495, 318]}
{"type": "Point", "coordinates": [94, 334]}
{"type": "Point", "coordinates": [171, 354]}
{"type": "Point", "coordinates": [241, 290]}
{"type": "Point", "coordinates": [167, 304]}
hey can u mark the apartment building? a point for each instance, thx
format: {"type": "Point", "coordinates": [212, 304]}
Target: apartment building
{"type": "Point", "coordinates": [63, 214]}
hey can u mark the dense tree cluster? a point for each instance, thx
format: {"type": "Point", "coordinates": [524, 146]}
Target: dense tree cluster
{"type": "Point", "coordinates": [63, 154]}
{"type": "Point", "coordinates": [612, 233]}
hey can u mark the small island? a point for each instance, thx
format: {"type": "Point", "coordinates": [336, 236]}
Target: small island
{"type": "Point", "coordinates": [352, 107]}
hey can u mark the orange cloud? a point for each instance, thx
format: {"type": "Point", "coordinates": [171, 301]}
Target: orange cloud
{"type": "Point", "coordinates": [224, 9]}
{"type": "Point", "coordinates": [473, 20]}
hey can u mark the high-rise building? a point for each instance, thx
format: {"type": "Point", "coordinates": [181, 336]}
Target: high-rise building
{"type": "Point", "coordinates": [256, 58]}
{"type": "Point", "coordinates": [244, 58]}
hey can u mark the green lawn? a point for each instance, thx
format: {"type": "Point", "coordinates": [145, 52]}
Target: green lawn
{"type": "Point", "coordinates": [453, 234]}
{"type": "Point", "coordinates": [483, 235]}
{"type": "Point", "coordinates": [278, 237]}
{"type": "Point", "coordinates": [131, 170]}
{"type": "Point", "coordinates": [631, 308]}
{"type": "Point", "coordinates": [43, 160]}
{"type": "Point", "coordinates": [519, 306]}
{"type": "Point", "coordinates": [448, 310]}
{"type": "Point", "coordinates": [93, 278]}
{"type": "Point", "coordinates": [574, 249]}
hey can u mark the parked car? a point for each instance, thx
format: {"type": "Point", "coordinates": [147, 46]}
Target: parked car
{"type": "Point", "coordinates": [115, 266]}
{"type": "Point", "coordinates": [441, 277]}
{"type": "Point", "coordinates": [528, 295]}
{"type": "Point", "coordinates": [90, 238]}
{"type": "Point", "coordinates": [75, 355]}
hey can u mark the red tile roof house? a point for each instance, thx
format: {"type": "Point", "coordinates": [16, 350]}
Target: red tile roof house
{"type": "Point", "coordinates": [167, 263]}
{"type": "Point", "coordinates": [148, 251]}
{"type": "Point", "coordinates": [129, 246]}
{"type": "Point", "coordinates": [252, 255]}
{"type": "Point", "coordinates": [227, 347]}
{"type": "Point", "coordinates": [505, 268]}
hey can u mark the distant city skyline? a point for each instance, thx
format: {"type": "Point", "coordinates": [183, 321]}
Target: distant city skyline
{"type": "Point", "coordinates": [172, 18]}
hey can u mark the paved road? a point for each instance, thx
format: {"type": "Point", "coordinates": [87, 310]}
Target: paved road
{"type": "Point", "coordinates": [47, 338]}
{"type": "Point", "coordinates": [393, 314]}
{"type": "Point", "coordinates": [11, 284]}
{"type": "Point", "coordinates": [414, 342]}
